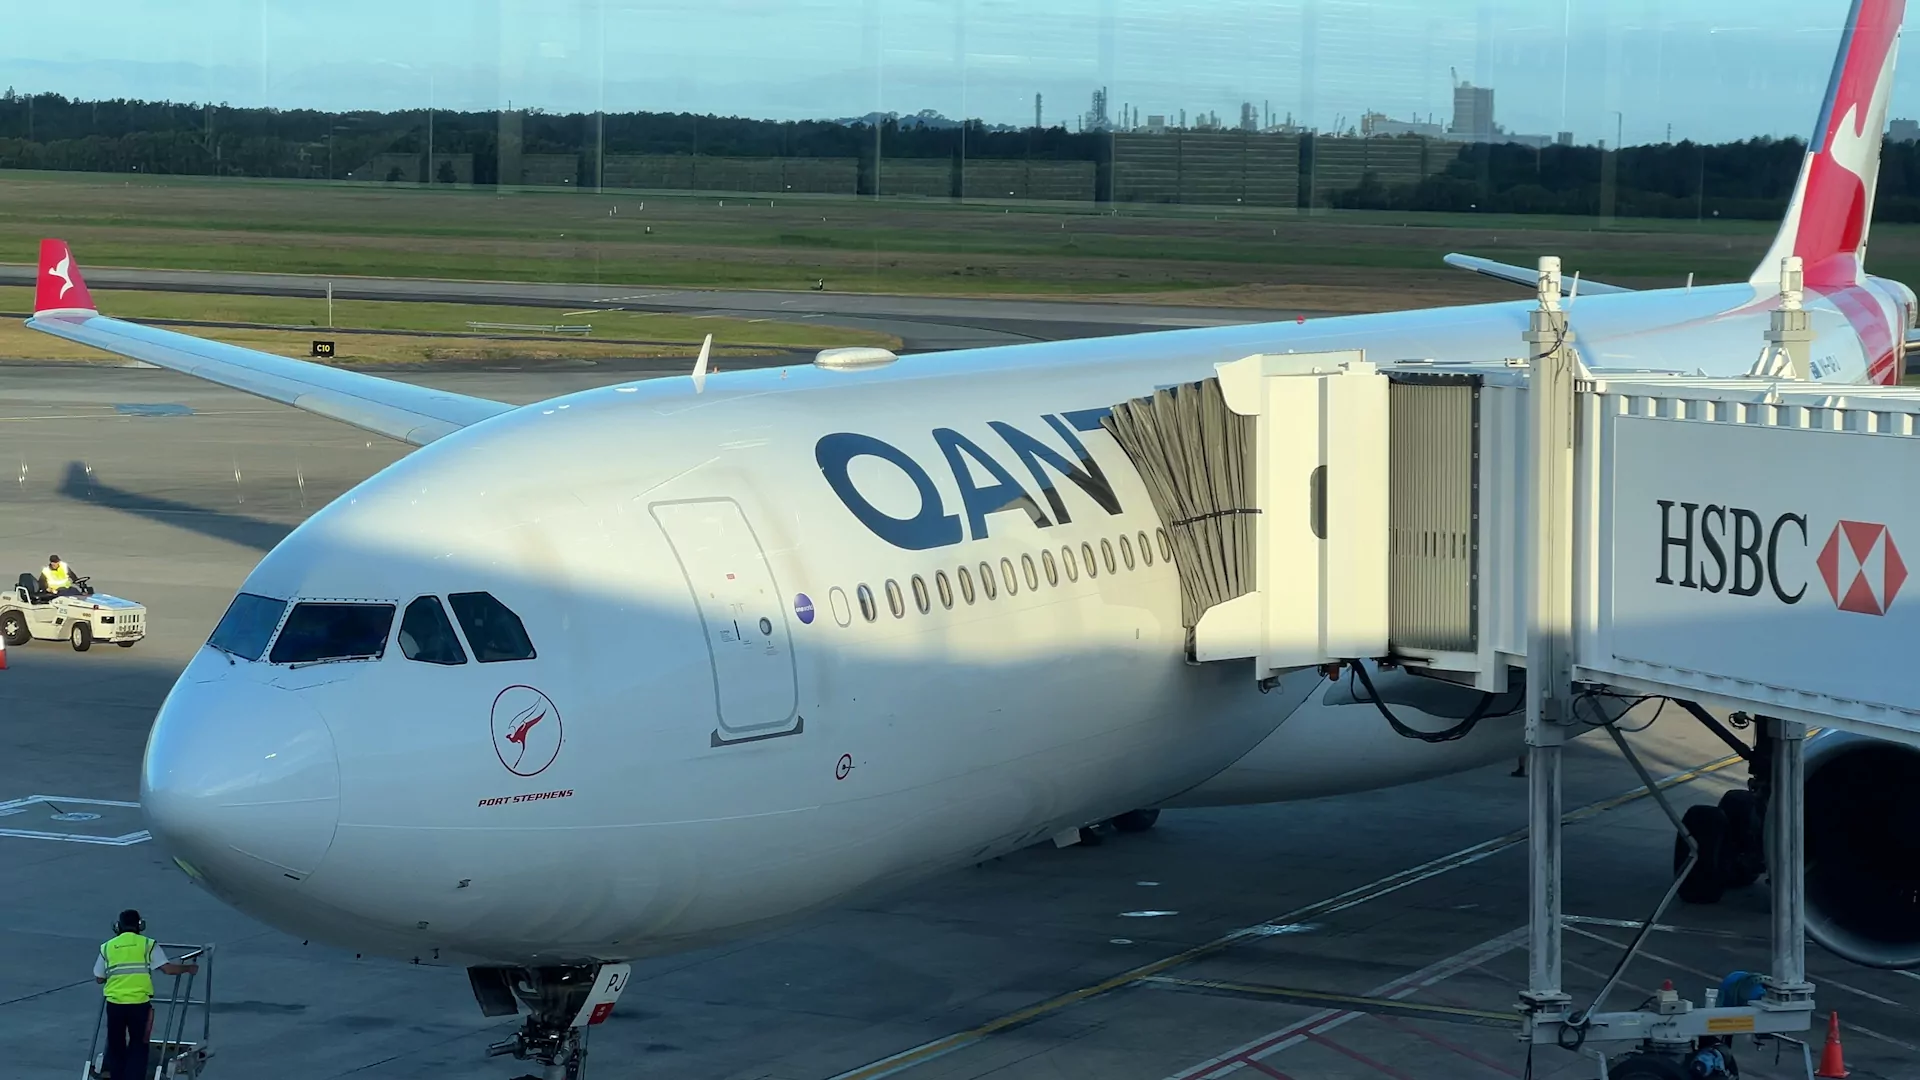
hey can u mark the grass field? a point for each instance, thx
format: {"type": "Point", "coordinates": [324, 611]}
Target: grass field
{"type": "Point", "coordinates": [663, 335]}
{"type": "Point", "coordinates": [1334, 261]}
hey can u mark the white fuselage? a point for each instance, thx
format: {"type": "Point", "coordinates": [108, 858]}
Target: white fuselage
{"type": "Point", "coordinates": [703, 773]}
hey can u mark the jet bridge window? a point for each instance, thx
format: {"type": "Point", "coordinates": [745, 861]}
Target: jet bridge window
{"type": "Point", "coordinates": [426, 634]}
{"type": "Point", "coordinates": [494, 632]}
{"type": "Point", "coordinates": [248, 625]}
{"type": "Point", "coordinates": [318, 631]}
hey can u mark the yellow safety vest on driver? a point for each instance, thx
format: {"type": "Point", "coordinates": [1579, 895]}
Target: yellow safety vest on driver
{"type": "Point", "coordinates": [55, 577]}
{"type": "Point", "coordinates": [129, 969]}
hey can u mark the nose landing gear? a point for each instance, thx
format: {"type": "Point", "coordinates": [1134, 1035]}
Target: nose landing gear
{"type": "Point", "coordinates": [562, 1003]}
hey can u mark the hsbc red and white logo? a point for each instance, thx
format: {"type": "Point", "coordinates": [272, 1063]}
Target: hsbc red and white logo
{"type": "Point", "coordinates": [1742, 552]}
{"type": "Point", "coordinates": [1861, 567]}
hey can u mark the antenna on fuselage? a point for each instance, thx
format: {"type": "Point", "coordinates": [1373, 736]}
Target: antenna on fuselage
{"type": "Point", "coordinates": [700, 365]}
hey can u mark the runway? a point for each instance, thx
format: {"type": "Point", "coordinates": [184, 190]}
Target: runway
{"type": "Point", "coordinates": [923, 324]}
{"type": "Point", "coordinates": [1362, 937]}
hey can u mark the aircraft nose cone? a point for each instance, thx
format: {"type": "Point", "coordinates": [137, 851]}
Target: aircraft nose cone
{"type": "Point", "coordinates": [241, 782]}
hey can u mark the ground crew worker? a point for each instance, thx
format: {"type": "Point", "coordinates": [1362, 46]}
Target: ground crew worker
{"type": "Point", "coordinates": [124, 968]}
{"type": "Point", "coordinates": [57, 578]}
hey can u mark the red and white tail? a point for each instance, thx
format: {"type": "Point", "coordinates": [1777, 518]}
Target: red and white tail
{"type": "Point", "coordinates": [1826, 223]}
{"type": "Point", "coordinates": [60, 287]}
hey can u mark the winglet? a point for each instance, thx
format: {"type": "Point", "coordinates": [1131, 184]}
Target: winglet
{"type": "Point", "coordinates": [59, 286]}
{"type": "Point", "coordinates": [1832, 205]}
{"type": "Point", "coordinates": [700, 365]}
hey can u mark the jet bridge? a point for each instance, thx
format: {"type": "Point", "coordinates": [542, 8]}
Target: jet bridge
{"type": "Point", "coordinates": [1726, 542]}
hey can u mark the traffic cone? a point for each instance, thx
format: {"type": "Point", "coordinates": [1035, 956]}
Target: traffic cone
{"type": "Point", "coordinates": [3, 654]}
{"type": "Point", "coordinates": [1832, 1065]}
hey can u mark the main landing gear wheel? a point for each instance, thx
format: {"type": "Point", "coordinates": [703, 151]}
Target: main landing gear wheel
{"type": "Point", "coordinates": [1707, 881]}
{"type": "Point", "coordinates": [1134, 821]}
{"type": "Point", "coordinates": [81, 636]}
{"type": "Point", "coordinates": [13, 629]}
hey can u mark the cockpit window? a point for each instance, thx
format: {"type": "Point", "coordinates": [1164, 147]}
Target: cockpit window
{"type": "Point", "coordinates": [427, 636]}
{"type": "Point", "coordinates": [248, 625]}
{"type": "Point", "coordinates": [318, 631]}
{"type": "Point", "coordinates": [493, 631]}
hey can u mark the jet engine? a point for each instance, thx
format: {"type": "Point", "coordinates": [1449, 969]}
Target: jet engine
{"type": "Point", "coordinates": [1863, 849]}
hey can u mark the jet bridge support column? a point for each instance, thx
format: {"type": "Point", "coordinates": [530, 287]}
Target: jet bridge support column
{"type": "Point", "coordinates": [1549, 634]}
{"type": "Point", "coordinates": [1786, 982]}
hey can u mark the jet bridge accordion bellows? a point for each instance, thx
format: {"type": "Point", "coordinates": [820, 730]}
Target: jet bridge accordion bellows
{"type": "Point", "coordinates": [1195, 456]}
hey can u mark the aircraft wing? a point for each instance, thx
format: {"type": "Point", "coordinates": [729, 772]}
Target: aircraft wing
{"type": "Point", "coordinates": [411, 414]}
{"type": "Point", "coordinates": [1521, 275]}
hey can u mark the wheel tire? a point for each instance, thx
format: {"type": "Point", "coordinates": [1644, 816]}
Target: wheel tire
{"type": "Point", "coordinates": [81, 636]}
{"type": "Point", "coordinates": [124, 644]}
{"type": "Point", "coordinates": [1707, 881]}
{"type": "Point", "coordinates": [1135, 821]}
{"type": "Point", "coordinates": [13, 627]}
{"type": "Point", "coordinates": [1745, 857]}
{"type": "Point", "coordinates": [1638, 1066]}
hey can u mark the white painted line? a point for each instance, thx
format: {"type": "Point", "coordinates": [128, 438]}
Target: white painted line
{"type": "Point", "coordinates": [1327, 1019]}
{"type": "Point", "coordinates": [17, 806]}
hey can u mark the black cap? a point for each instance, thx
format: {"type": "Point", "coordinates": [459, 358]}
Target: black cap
{"type": "Point", "coordinates": [129, 921]}
{"type": "Point", "coordinates": [53, 558]}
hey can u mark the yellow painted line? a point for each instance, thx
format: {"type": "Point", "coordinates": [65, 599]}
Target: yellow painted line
{"type": "Point", "coordinates": [1392, 883]}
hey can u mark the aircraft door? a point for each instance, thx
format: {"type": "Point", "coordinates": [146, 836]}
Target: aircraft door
{"type": "Point", "coordinates": [741, 611]}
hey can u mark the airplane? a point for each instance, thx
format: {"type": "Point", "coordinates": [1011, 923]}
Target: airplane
{"type": "Point", "coordinates": [658, 665]}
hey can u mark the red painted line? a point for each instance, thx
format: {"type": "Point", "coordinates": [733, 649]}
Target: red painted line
{"type": "Point", "coordinates": [1436, 1040]}
{"type": "Point", "coordinates": [1356, 1055]}
{"type": "Point", "coordinates": [1268, 1069]}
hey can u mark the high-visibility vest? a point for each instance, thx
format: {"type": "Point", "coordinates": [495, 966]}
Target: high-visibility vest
{"type": "Point", "coordinates": [129, 969]}
{"type": "Point", "coordinates": [56, 577]}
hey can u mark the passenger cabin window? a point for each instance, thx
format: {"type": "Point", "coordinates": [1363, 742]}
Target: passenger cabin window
{"type": "Point", "coordinates": [1126, 552]}
{"type": "Point", "coordinates": [1146, 549]}
{"type": "Point", "coordinates": [895, 603]}
{"type": "Point", "coordinates": [1166, 548]}
{"type": "Point", "coordinates": [1006, 575]}
{"type": "Point", "coordinates": [494, 632]}
{"type": "Point", "coordinates": [941, 583]}
{"type": "Point", "coordinates": [920, 595]}
{"type": "Point", "coordinates": [320, 631]}
{"type": "Point", "coordinates": [1052, 568]}
{"type": "Point", "coordinates": [1073, 567]}
{"type": "Point", "coordinates": [248, 625]}
{"type": "Point", "coordinates": [966, 585]}
{"type": "Point", "coordinates": [868, 609]}
{"type": "Point", "coordinates": [427, 635]}
{"type": "Point", "coordinates": [1106, 553]}
{"type": "Point", "coordinates": [1086, 556]}
{"type": "Point", "coordinates": [986, 582]}
{"type": "Point", "coordinates": [1026, 567]}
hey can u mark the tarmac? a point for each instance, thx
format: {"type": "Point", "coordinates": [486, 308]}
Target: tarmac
{"type": "Point", "coordinates": [1378, 935]}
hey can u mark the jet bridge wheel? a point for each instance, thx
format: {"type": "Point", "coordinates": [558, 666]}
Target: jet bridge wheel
{"type": "Point", "coordinates": [1645, 1066]}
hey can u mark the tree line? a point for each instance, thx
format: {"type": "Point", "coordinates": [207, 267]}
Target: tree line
{"type": "Point", "coordinates": [1749, 178]}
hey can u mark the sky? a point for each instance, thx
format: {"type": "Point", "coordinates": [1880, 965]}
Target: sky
{"type": "Point", "coordinates": [1710, 69]}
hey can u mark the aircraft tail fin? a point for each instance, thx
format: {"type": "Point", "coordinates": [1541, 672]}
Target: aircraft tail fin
{"type": "Point", "coordinates": [59, 286]}
{"type": "Point", "coordinates": [1832, 205]}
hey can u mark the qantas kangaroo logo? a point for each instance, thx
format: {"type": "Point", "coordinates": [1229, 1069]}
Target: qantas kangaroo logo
{"type": "Point", "coordinates": [526, 730]}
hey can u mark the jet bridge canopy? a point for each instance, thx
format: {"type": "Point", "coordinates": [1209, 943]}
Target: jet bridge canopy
{"type": "Point", "coordinates": [1739, 541]}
